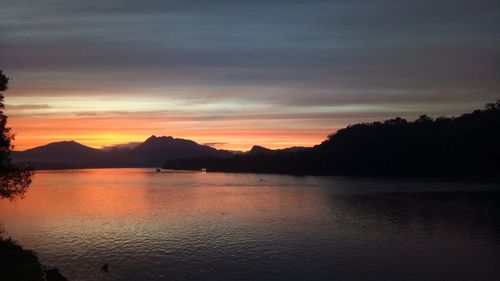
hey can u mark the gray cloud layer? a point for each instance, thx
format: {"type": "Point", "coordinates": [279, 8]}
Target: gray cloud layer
{"type": "Point", "coordinates": [291, 53]}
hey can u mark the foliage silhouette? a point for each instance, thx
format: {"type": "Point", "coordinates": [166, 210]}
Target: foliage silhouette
{"type": "Point", "coordinates": [14, 180]}
{"type": "Point", "coordinates": [17, 263]}
{"type": "Point", "coordinates": [459, 146]}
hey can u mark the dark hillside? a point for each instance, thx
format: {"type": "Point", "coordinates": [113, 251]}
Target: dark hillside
{"type": "Point", "coordinates": [468, 145]}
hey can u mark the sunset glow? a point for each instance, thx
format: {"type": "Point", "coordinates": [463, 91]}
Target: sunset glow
{"type": "Point", "coordinates": [284, 140]}
{"type": "Point", "coordinates": [235, 75]}
{"type": "Point", "coordinates": [100, 121]}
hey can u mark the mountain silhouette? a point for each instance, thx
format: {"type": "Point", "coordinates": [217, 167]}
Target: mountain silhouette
{"type": "Point", "coordinates": [65, 153]}
{"type": "Point", "coordinates": [156, 150]}
{"type": "Point", "coordinates": [151, 153]}
{"type": "Point", "coordinates": [257, 149]}
{"type": "Point", "coordinates": [464, 145]}
{"type": "Point", "coordinates": [467, 145]}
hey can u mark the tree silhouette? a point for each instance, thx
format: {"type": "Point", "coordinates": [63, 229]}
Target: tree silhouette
{"type": "Point", "coordinates": [14, 180]}
{"type": "Point", "coordinates": [461, 146]}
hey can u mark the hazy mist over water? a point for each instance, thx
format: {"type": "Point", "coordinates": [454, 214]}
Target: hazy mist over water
{"type": "Point", "coordinates": [217, 226]}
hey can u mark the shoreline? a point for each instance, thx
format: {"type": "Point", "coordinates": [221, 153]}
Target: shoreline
{"type": "Point", "coordinates": [418, 178]}
{"type": "Point", "coordinates": [18, 263]}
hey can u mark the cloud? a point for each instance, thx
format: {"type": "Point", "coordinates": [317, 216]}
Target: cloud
{"type": "Point", "coordinates": [27, 106]}
{"type": "Point", "coordinates": [318, 63]}
{"type": "Point", "coordinates": [216, 144]}
{"type": "Point", "coordinates": [129, 145]}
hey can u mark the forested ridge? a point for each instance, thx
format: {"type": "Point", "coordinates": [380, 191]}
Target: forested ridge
{"type": "Point", "coordinates": [467, 145]}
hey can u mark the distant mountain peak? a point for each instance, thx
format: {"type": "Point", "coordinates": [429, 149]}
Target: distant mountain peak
{"type": "Point", "coordinates": [154, 138]}
{"type": "Point", "coordinates": [70, 143]}
{"type": "Point", "coordinates": [152, 152]}
{"type": "Point", "coordinates": [63, 142]}
{"type": "Point", "coordinates": [62, 153]}
{"type": "Point", "coordinates": [259, 149]}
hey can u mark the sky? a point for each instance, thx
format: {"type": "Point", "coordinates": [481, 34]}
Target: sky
{"type": "Point", "coordinates": [238, 73]}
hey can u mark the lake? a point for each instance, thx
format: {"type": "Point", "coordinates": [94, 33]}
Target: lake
{"type": "Point", "coordinates": [218, 226]}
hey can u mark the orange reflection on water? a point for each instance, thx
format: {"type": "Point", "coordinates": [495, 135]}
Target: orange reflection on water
{"type": "Point", "coordinates": [122, 194]}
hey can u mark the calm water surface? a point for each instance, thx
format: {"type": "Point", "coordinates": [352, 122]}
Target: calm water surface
{"type": "Point", "coordinates": [216, 226]}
